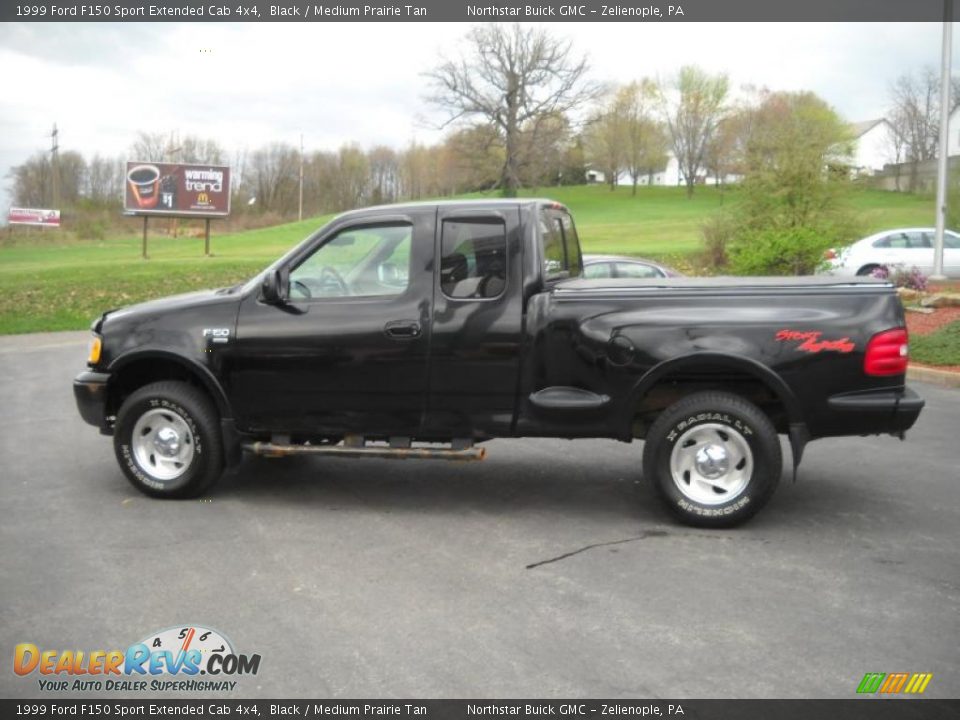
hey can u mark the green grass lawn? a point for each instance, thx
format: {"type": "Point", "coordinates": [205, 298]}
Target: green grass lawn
{"type": "Point", "coordinates": [938, 348]}
{"type": "Point", "coordinates": [50, 283]}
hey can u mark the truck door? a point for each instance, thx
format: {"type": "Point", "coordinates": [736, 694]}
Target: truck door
{"type": "Point", "coordinates": [348, 352]}
{"type": "Point", "coordinates": [477, 322]}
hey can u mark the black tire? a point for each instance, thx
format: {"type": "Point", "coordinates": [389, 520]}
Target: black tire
{"type": "Point", "coordinates": [866, 270]}
{"type": "Point", "coordinates": [149, 461]}
{"type": "Point", "coordinates": [723, 433]}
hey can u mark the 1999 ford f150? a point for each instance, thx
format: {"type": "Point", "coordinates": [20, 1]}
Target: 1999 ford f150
{"type": "Point", "coordinates": [420, 330]}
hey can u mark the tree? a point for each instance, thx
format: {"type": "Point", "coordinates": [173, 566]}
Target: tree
{"type": "Point", "coordinates": [509, 77]}
{"type": "Point", "coordinates": [33, 180]}
{"type": "Point", "coordinates": [794, 196]}
{"type": "Point", "coordinates": [646, 142]}
{"type": "Point", "coordinates": [692, 106]}
{"type": "Point", "coordinates": [273, 173]}
{"type": "Point", "coordinates": [915, 117]}
{"type": "Point", "coordinates": [605, 138]}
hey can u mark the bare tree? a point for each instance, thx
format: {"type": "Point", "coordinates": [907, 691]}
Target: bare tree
{"type": "Point", "coordinates": [151, 146]}
{"type": "Point", "coordinates": [273, 176]}
{"type": "Point", "coordinates": [646, 140]}
{"type": "Point", "coordinates": [693, 104]}
{"type": "Point", "coordinates": [915, 116]}
{"type": "Point", "coordinates": [508, 77]}
{"type": "Point", "coordinates": [33, 180]}
{"type": "Point", "coordinates": [384, 174]}
{"type": "Point", "coordinates": [605, 138]}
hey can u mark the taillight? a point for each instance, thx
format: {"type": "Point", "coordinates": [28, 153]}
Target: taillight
{"type": "Point", "coordinates": [830, 254]}
{"type": "Point", "coordinates": [886, 353]}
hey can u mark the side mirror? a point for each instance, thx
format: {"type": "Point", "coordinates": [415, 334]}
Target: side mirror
{"type": "Point", "coordinates": [388, 273]}
{"type": "Point", "coordinates": [276, 287]}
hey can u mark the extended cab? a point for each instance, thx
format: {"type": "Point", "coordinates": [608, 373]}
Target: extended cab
{"type": "Point", "coordinates": [422, 330]}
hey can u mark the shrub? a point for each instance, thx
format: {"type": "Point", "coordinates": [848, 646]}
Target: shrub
{"type": "Point", "coordinates": [911, 279]}
{"type": "Point", "coordinates": [717, 232]}
{"type": "Point", "coordinates": [779, 251]}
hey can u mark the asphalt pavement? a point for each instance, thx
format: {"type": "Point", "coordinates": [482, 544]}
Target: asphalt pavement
{"type": "Point", "coordinates": [548, 570]}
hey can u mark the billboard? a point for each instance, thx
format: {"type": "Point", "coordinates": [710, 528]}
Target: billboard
{"type": "Point", "coordinates": [34, 216]}
{"type": "Point", "coordinates": [177, 189]}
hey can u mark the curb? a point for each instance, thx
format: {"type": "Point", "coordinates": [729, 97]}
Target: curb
{"type": "Point", "coordinates": [943, 378]}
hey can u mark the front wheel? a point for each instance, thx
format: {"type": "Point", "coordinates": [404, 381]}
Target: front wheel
{"type": "Point", "coordinates": [167, 440]}
{"type": "Point", "coordinates": [714, 459]}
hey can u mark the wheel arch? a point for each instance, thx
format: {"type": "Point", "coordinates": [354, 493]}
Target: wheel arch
{"type": "Point", "coordinates": [689, 366]}
{"type": "Point", "coordinates": [133, 370]}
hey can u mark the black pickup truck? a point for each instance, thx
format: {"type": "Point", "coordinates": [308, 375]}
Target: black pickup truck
{"type": "Point", "coordinates": [422, 330]}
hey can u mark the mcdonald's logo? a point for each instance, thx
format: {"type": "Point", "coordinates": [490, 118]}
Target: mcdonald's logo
{"type": "Point", "coordinates": [894, 683]}
{"type": "Point", "coordinates": [203, 199]}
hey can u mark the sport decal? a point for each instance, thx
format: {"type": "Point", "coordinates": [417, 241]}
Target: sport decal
{"type": "Point", "coordinates": [810, 341]}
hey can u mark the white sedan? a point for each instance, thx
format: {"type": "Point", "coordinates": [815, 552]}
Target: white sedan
{"type": "Point", "coordinates": [906, 248]}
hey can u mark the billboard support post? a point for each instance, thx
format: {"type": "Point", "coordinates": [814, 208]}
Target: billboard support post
{"type": "Point", "coordinates": [206, 238]}
{"type": "Point", "coordinates": [144, 247]}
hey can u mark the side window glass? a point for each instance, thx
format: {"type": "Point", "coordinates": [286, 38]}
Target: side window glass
{"type": "Point", "coordinates": [597, 270]}
{"type": "Point", "coordinates": [473, 261]}
{"type": "Point", "coordinates": [560, 245]}
{"type": "Point", "coordinates": [357, 262]}
{"type": "Point", "coordinates": [554, 256]}
{"type": "Point", "coordinates": [636, 270]}
{"type": "Point", "coordinates": [572, 243]}
{"type": "Point", "coordinates": [951, 241]}
{"type": "Point", "coordinates": [883, 242]}
{"type": "Point", "coordinates": [900, 240]}
{"type": "Point", "coordinates": [920, 240]}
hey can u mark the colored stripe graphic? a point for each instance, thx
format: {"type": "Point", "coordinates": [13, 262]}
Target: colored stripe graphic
{"type": "Point", "coordinates": [918, 683]}
{"type": "Point", "coordinates": [871, 682]}
{"type": "Point", "coordinates": [893, 683]}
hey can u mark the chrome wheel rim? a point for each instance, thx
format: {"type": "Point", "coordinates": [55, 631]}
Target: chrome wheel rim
{"type": "Point", "coordinates": [163, 444]}
{"type": "Point", "coordinates": [711, 464]}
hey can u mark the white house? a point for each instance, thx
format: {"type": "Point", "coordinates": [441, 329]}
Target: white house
{"type": "Point", "coordinates": [874, 146]}
{"type": "Point", "coordinates": [669, 176]}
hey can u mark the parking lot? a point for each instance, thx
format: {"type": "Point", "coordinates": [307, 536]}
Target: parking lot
{"type": "Point", "coordinates": [548, 570]}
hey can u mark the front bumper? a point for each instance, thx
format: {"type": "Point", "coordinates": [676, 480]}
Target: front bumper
{"type": "Point", "coordinates": [90, 392]}
{"type": "Point", "coordinates": [879, 411]}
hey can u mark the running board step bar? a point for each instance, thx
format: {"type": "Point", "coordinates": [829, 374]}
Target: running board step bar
{"type": "Point", "coordinates": [272, 449]}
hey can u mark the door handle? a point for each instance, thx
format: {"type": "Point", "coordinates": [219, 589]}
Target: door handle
{"type": "Point", "coordinates": [402, 329]}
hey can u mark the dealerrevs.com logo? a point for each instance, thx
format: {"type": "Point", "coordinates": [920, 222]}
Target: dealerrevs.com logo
{"type": "Point", "coordinates": [169, 660]}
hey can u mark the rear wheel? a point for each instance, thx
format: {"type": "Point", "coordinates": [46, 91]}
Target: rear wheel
{"type": "Point", "coordinates": [167, 440]}
{"type": "Point", "coordinates": [866, 270]}
{"type": "Point", "coordinates": [714, 459]}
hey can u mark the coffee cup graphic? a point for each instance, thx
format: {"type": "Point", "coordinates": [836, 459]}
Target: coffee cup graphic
{"type": "Point", "coordinates": [144, 181]}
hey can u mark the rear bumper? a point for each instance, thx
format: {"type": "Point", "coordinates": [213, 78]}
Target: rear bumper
{"type": "Point", "coordinates": [879, 411]}
{"type": "Point", "coordinates": [90, 392]}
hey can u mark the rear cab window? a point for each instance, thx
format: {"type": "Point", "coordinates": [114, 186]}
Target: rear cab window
{"type": "Point", "coordinates": [559, 244]}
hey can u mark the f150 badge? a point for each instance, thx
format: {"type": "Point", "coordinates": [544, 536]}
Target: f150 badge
{"type": "Point", "coordinates": [217, 335]}
{"type": "Point", "coordinates": [810, 341]}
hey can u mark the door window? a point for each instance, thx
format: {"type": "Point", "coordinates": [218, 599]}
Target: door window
{"type": "Point", "coordinates": [366, 261]}
{"type": "Point", "coordinates": [473, 261]}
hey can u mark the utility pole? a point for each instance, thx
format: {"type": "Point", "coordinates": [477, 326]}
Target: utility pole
{"type": "Point", "coordinates": [944, 134]}
{"type": "Point", "coordinates": [300, 205]}
{"type": "Point", "coordinates": [55, 166]}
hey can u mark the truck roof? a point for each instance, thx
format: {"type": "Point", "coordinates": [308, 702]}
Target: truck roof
{"type": "Point", "coordinates": [485, 202]}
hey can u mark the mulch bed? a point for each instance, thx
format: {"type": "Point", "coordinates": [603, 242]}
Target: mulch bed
{"type": "Point", "coordinates": [924, 324]}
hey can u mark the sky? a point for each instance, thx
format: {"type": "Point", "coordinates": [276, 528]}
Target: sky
{"type": "Point", "coordinates": [246, 84]}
